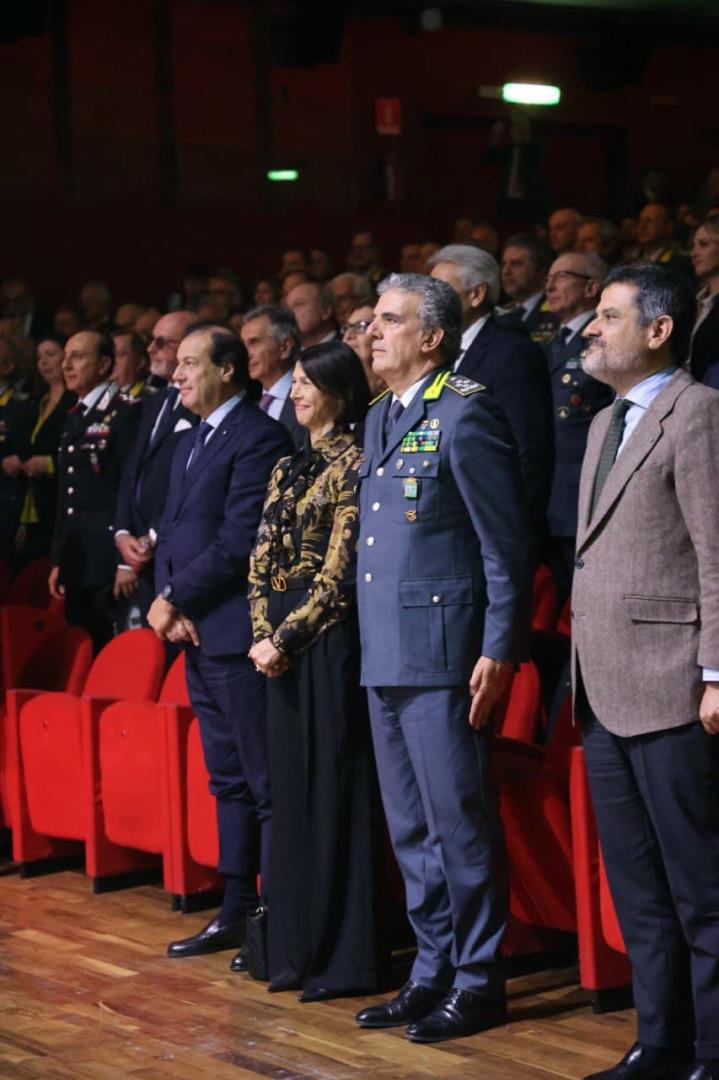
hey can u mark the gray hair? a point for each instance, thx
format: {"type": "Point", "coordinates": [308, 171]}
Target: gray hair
{"type": "Point", "coordinates": [283, 324]}
{"type": "Point", "coordinates": [594, 264]}
{"type": "Point", "coordinates": [476, 267]}
{"type": "Point", "coordinates": [361, 287]}
{"type": "Point", "coordinates": [440, 307]}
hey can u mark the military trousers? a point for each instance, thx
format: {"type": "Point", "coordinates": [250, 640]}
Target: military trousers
{"type": "Point", "coordinates": [443, 818]}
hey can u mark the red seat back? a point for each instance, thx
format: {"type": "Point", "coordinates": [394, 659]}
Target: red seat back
{"type": "Point", "coordinates": [128, 668]}
{"type": "Point", "coordinates": [564, 622]}
{"type": "Point", "coordinates": [60, 660]}
{"type": "Point", "coordinates": [174, 688]}
{"type": "Point", "coordinates": [545, 599]}
{"type": "Point", "coordinates": [563, 738]}
{"type": "Point", "coordinates": [519, 715]}
{"type": "Point", "coordinates": [29, 587]}
{"type": "Point", "coordinates": [202, 839]}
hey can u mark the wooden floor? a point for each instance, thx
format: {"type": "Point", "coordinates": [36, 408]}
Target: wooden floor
{"type": "Point", "coordinates": [86, 991]}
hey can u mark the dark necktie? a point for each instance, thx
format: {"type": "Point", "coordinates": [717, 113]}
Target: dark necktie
{"type": "Point", "coordinates": [559, 343]}
{"type": "Point", "coordinates": [266, 400]}
{"type": "Point", "coordinates": [198, 445]}
{"type": "Point", "coordinates": [395, 411]}
{"type": "Point", "coordinates": [610, 446]}
{"type": "Point", "coordinates": [164, 423]}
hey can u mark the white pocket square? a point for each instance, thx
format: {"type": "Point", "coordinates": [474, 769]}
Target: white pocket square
{"type": "Point", "coordinates": [182, 425]}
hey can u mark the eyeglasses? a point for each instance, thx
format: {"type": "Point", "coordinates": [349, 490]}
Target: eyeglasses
{"type": "Point", "coordinates": [350, 329]}
{"type": "Point", "coordinates": [565, 274]}
{"type": "Point", "coordinates": [159, 342]}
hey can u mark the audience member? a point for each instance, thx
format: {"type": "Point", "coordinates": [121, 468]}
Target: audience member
{"type": "Point", "coordinates": [218, 483]}
{"type": "Point", "coordinates": [349, 290]}
{"type": "Point", "coordinates": [364, 257]}
{"type": "Point", "coordinates": [272, 340]}
{"type": "Point", "coordinates": [126, 316]}
{"type": "Point", "coordinates": [439, 549]}
{"type": "Point", "coordinates": [655, 236]}
{"type": "Point", "coordinates": [194, 287]}
{"type": "Point", "coordinates": [704, 356]}
{"type": "Point", "coordinates": [223, 292]}
{"type": "Point", "coordinates": [599, 235]}
{"type": "Point", "coordinates": [303, 607]}
{"type": "Point", "coordinates": [236, 317]}
{"type": "Point", "coordinates": [562, 230]}
{"type": "Point", "coordinates": [313, 306]}
{"type": "Point", "coordinates": [17, 303]}
{"type": "Point", "coordinates": [289, 281]}
{"type": "Point", "coordinates": [146, 473]}
{"type": "Point", "coordinates": [45, 420]}
{"type": "Point", "coordinates": [645, 607]}
{"type": "Point", "coordinates": [145, 323]}
{"type": "Point", "coordinates": [266, 291]}
{"type": "Point", "coordinates": [410, 259]}
{"type": "Point", "coordinates": [130, 371]}
{"type": "Point", "coordinates": [507, 363]}
{"type": "Point", "coordinates": [573, 285]}
{"type": "Point", "coordinates": [355, 333]}
{"type": "Point", "coordinates": [13, 425]}
{"type": "Point", "coordinates": [461, 231]}
{"type": "Point", "coordinates": [66, 321]}
{"type": "Point", "coordinates": [485, 235]}
{"type": "Point", "coordinates": [426, 251]}
{"type": "Point", "coordinates": [97, 438]}
{"type": "Point", "coordinates": [95, 306]}
{"type": "Point", "coordinates": [292, 260]}
{"type": "Point", "coordinates": [525, 261]}
{"type": "Point", "coordinates": [321, 265]}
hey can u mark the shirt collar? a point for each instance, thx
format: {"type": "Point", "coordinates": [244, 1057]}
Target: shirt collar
{"type": "Point", "coordinates": [282, 387]}
{"type": "Point", "coordinates": [410, 393]}
{"type": "Point", "coordinates": [644, 392]}
{"type": "Point", "coordinates": [89, 401]}
{"type": "Point", "coordinates": [471, 333]}
{"type": "Point", "coordinates": [530, 304]}
{"type": "Point", "coordinates": [218, 415]}
{"type": "Point", "coordinates": [578, 323]}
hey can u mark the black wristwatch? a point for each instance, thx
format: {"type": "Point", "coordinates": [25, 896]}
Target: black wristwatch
{"type": "Point", "coordinates": [167, 594]}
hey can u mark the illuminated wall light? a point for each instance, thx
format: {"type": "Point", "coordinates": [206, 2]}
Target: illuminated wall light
{"type": "Point", "coordinates": [283, 175]}
{"type": "Point", "coordinates": [531, 94]}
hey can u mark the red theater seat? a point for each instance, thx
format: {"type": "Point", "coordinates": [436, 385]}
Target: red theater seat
{"type": "Point", "coordinates": [21, 629]}
{"type": "Point", "coordinates": [53, 751]}
{"type": "Point", "coordinates": [29, 586]}
{"type": "Point", "coordinates": [520, 715]}
{"type": "Point", "coordinates": [603, 965]}
{"type": "Point", "coordinates": [545, 599]}
{"type": "Point", "coordinates": [133, 774]}
{"type": "Point", "coordinates": [535, 812]}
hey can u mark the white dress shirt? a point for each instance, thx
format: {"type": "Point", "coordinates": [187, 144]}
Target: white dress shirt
{"type": "Point", "coordinates": [280, 392]}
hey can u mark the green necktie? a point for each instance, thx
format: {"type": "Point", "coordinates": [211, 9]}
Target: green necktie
{"type": "Point", "coordinates": [610, 446]}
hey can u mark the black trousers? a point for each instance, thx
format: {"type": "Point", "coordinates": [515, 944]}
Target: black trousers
{"type": "Point", "coordinates": [321, 906]}
{"type": "Point", "coordinates": [228, 698]}
{"type": "Point", "coordinates": [656, 798]}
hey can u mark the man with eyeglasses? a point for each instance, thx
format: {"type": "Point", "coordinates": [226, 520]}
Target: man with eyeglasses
{"type": "Point", "coordinates": [573, 285]}
{"type": "Point", "coordinates": [146, 475]}
{"type": "Point", "coordinates": [354, 333]}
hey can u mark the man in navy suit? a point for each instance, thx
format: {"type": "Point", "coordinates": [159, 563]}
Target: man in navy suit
{"type": "Point", "coordinates": [508, 363]}
{"type": "Point", "coordinates": [218, 482]}
{"type": "Point", "coordinates": [442, 579]}
{"type": "Point", "coordinates": [146, 475]}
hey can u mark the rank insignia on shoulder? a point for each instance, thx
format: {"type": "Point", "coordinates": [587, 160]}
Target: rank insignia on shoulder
{"type": "Point", "coordinates": [464, 386]}
{"type": "Point", "coordinates": [380, 397]}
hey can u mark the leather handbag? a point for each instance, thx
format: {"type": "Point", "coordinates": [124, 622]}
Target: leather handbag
{"type": "Point", "coordinates": [256, 944]}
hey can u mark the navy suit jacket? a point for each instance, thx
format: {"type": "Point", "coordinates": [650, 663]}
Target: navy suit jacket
{"type": "Point", "coordinates": [151, 463]}
{"type": "Point", "coordinates": [210, 521]}
{"type": "Point", "coordinates": [514, 371]}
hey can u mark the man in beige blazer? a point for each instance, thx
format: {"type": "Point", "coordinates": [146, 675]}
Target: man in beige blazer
{"type": "Point", "coordinates": [645, 608]}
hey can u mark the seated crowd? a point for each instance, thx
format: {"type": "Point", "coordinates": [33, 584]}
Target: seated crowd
{"type": "Point", "coordinates": [195, 467]}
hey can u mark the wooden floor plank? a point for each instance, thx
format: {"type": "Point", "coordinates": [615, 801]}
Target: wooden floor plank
{"type": "Point", "coordinates": [87, 992]}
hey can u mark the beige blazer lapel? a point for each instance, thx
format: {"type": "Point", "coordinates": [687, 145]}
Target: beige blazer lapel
{"type": "Point", "coordinates": [640, 444]}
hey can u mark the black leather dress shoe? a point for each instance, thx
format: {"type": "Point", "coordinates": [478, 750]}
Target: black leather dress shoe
{"type": "Point", "coordinates": [646, 1063]}
{"type": "Point", "coordinates": [239, 962]}
{"type": "Point", "coordinates": [460, 1013]}
{"type": "Point", "coordinates": [214, 937]}
{"type": "Point", "coordinates": [412, 1003]}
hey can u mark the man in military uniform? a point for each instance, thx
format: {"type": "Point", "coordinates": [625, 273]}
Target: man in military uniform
{"type": "Point", "coordinates": [655, 233]}
{"type": "Point", "coordinates": [573, 286]}
{"type": "Point", "coordinates": [524, 265]}
{"type": "Point", "coordinates": [97, 438]}
{"type": "Point", "coordinates": [13, 428]}
{"type": "Point", "coordinates": [443, 574]}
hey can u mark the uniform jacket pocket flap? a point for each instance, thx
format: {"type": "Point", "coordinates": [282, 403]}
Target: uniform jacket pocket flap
{"type": "Point", "coordinates": [661, 609]}
{"type": "Point", "coordinates": [436, 592]}
{"type": "Point", "coordinates": [417, 465]}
